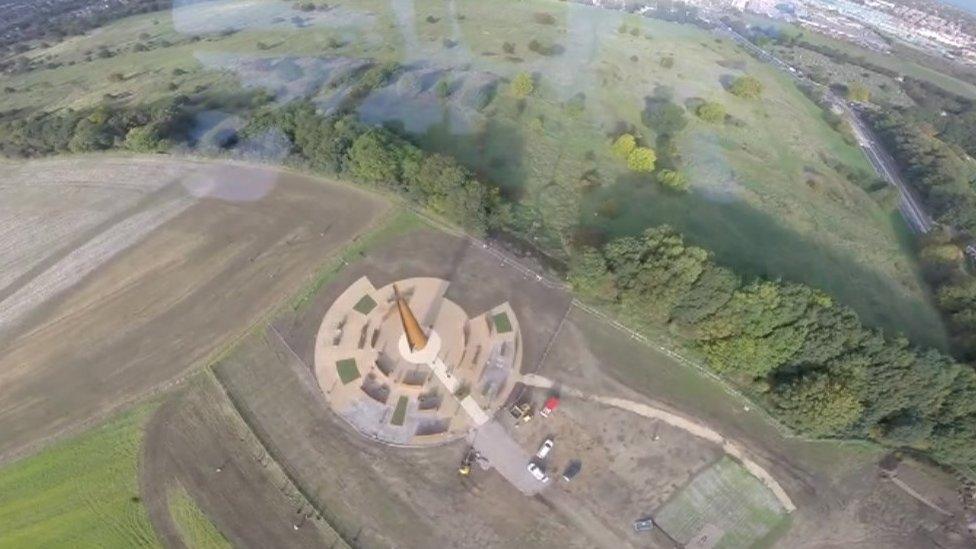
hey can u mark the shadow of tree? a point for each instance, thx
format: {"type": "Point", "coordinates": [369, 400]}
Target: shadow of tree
{"type": "Point", "coordinates": [755, 244]}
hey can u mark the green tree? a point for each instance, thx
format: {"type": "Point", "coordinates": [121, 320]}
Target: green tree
{"type": "Point", "coordinates": [522, 85]}
{"type": "Point", "coordinates": [90, 136]}
{"type": "Point", "coordinates": [907, 428]}
{"type": "Point", "coordinates": [818, 405]}
{"type": "Point", "coordinates": [653, 272]}
{"type": "Point", "coordinates": [858, 92]}
{"type": "Point", "coordinates": [623, 146]}
{"type": "Point", "coordinates": [443, 88]}
{"type": "Point", "coordinates": [589, 276]}
{"type": "Point", "coordinates": [758, 329]}
{"type": "Point", "coordinates": [747, 87]}
{"type": "Point", "coordinates": [711, 112]}
{"type": "Point", "coordinates": [641, 159]}
{"type": "Point", "coordinates": [710, 292]}
{"type": "Point", "coordinates": [146, 138]}
{"type": "Point", "coordinates": [673, 180]}
{"type": "Point", "coordinates": [373, 157]}
{"type": "Point", "coordinates": [664, 117]}
{"type": "Point", "coordinates": [448, 188]}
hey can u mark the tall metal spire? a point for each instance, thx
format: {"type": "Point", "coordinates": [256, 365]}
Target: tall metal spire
{"type": "Point", "coordinates": [415, 335]}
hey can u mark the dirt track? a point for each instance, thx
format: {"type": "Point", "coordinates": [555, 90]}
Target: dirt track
{"type": "Point", "coordinates": [144, 306]}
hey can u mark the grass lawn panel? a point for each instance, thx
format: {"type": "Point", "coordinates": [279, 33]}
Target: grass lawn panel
{"type": "Point", "coordinates": [347, 370]}
{"type": "Point", "coordinates": [365, 305]}
{"type": "Point", "coordinates": [195, 527]}
{"type": "Point", "coordinates": [400, 412]}
{"type": "Point", "coordinates": [502, 323]}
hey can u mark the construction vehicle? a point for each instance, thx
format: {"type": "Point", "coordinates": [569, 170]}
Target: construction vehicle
{"type": "Point", "coordinates": [465, 468]}
{"type": "Point", "coordinates": [551, 404]}
{"type": "Point", "coordinates": [521, 412]}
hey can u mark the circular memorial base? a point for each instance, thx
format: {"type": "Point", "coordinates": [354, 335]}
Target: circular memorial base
{"type": "Point", "coordinates": [420, 356]}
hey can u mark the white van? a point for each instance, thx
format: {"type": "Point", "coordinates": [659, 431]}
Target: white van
{"type": "Point", "coordinates": [544, 449]}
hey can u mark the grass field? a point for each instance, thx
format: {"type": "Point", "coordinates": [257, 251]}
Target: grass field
{"type": "Point", "coordinates": [763, 198]}
{"type": "Point", "coordinates": [724, 500]}
{"type": "Point", "coordinates": [82, 492]}
{"type": "Point", "coordinates": [196, 529]}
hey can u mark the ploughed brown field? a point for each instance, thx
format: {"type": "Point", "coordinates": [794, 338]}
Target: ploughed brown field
{"type": "Point", "coordinates": [120, 274]}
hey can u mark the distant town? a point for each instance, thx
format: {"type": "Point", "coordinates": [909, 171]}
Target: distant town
{"type": "Point", "coordinates": [928, 25]}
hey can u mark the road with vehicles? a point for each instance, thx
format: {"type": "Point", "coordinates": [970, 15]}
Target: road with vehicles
{"type": "Point", "coordinates": [884, 165]}
{"type": "Point", "coordinates": [909, 205]}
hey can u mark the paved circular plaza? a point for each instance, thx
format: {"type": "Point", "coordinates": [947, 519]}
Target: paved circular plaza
{"type": "Point", "coordinates": [405, 365]}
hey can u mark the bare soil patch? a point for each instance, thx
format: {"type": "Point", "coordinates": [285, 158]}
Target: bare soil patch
{"type": "Point", "coordinates": [160, 304]}
{"type": "Point", "coordinates": [375, 495]}
{"type": "Point", "coordinates": [630, 464]}
{"type": "Point", "coordinates": [197, 440]}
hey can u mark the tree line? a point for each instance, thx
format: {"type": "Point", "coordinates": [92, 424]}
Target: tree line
{"type": "Point", "coordinates": [933, 169]}
{"type": "Point", "coordinates": [342, 145]}
{"type": "Point", "coordinates": [806, 357]}
{"type": "Point", "coordinates": [951, 116]}
{"type": "Point", "coordinates": [145, 128]}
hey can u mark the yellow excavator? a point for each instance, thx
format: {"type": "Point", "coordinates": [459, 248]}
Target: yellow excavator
{"type": "Point", "coordinates": [465, 468]}
{"type": "Point", "coordinates": [521, 412]}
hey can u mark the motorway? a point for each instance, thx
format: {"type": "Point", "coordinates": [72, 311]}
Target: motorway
{"type": "Point", "coordinates": [908, 204]}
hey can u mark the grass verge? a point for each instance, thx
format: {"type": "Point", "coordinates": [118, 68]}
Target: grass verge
{"type": "Point", "coordinates": [195, 528]}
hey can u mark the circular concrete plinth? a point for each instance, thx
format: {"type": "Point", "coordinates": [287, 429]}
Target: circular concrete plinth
{"type": "Point", "coordinates": [420, 356]}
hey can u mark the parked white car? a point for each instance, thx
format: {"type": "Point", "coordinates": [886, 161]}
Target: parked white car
{"type": "Point", "coordinates": [538, 473]}
{"type": "Point", "coordinates": [544, 449]}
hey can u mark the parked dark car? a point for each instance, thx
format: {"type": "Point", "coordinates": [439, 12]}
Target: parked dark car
{"type": "Point", "coordinates": [572, 469]}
